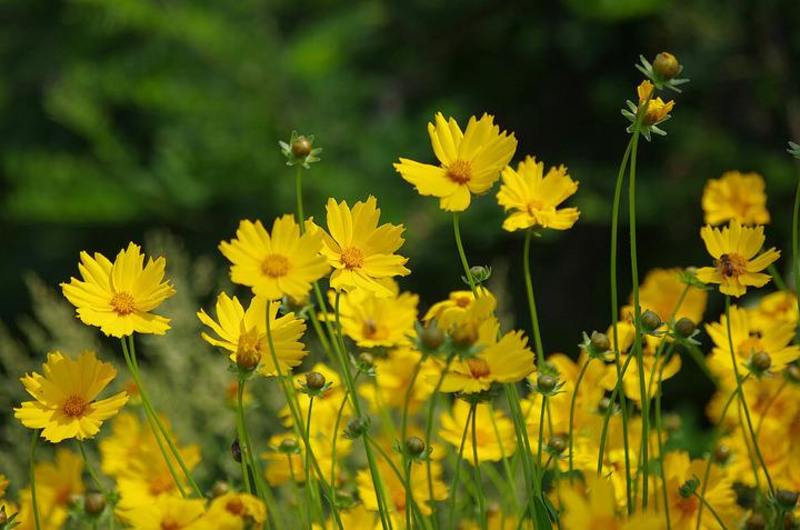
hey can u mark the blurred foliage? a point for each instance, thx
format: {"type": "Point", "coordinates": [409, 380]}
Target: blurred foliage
{"type": "Point", "coordinates": [123, 116]}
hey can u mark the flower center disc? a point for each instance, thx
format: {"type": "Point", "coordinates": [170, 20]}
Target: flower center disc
{"type": "Point", "coordinates": [275, 266]}
{"type": "Point", "coordinates": [74, 406]}
{"type": "Point", "coordinates": [352, 258]}
{"type": "Point", "coordinates": [235, 507]}
{"type": "Point", "coordinates": [460, 171]}
{"type": "Point", "coordinates": [730, 265]}
{"type": "Point", "coordinates": [478, 368]}
{"type": "Point", "coordinates": [170, 524]}
{"type": "Point", "coordinates": [123, 303]}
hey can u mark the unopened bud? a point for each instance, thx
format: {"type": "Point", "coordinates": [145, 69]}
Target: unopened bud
{"type": "Point", "coordinates": [761, 361]}
{"type": "Point", "coordinates": [415, 445]}
{"type": "Point", "coordinates": [431, 336]}
{"type": "Point", "coordinates": [600, 342]}
{"type": "Point", "coordinates": [650, 320]}
{"type": "Point", "coordinates": [786, 498]}
{"type": "Point", "coordinates": [288, 445]}
{"type": "Point", "coordinates": [666, 66]}
{"type": "Point", "coordinates": [793, 373]}
{"type": "Point", "coordinates": [301, 147]}
{"type": "Point", "coordinates": [557, 444]}
{"type": "Point", "coordinates": [220, 488]}
{"type": "Point", "coordinates": [722, 453]}
{"type": "Point", "coordinates": [685, 327]}
{"type": "Point", "coordinates": [546, 383]}
{"type": "Point", "coordinates": [94, 503]}
{"type": "Point", "coordinates": [315, 380]}
{"type": "Point", "coordinates": [366, 359]}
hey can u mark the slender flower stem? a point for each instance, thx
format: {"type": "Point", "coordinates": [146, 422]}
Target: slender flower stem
{"type": "Point", "coordinates": [662, 471]}
{"type": "Point", "coordinates": [720, 423]}
{"type": "Point", "coordinates": [711, 509]}
{"type": "Point", "coordinates": [541, 435]}
{"type": "Point", "coordinates": [477, 469]}
{"type": "Point", "coordinates": [769, 404]}
{"type": "Point", "coordinates": [461, 254]}
{"type": "Point", "coordinates": [91, 470]}
{"type": "Point", "coordinates": [156, 427]}
{"type": "Point", "coordinates": [404, 425]}
{"type": "Point", "coordinates": [298, 182]}
{"type": "Point", "coordinates": [615, 325]}
{"type": "Point", "coordinates": [454, 486]}
{"type": "Point", "coordinates": [34, 501]}
{"type": "Point", "coordinates": [429, 425]}
{"type": "Point", "coordinates": [777, 277]}
{"type": "Point", "coordinates": [637, 309]}
{"type": "Point", "coordinates": [571, 433]}
{"type": "Point", "coordinates": [244, 459]}
{"type": "Point", "coordinates": [510, 483]}
{"type": "Point", "coordinates": [526, 264]}
{"type": "Point", "coordinates": [607, 416]}
{"type": "Point", "coordinates": [742, 398]}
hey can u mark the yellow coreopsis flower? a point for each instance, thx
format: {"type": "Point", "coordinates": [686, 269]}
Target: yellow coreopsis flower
{"type": "Point", "coordinates": [65, 398]}
{"type": "Point", "coordinates": [235, 511]}
{"type": "Point", "coordinates": [119, 297]}
{"type": "Point", "coordinates": [597, 508]}
{"type": "Point", "coordinates": [361, 253]}
{"type": "Point", "coordinates": [534, 197]}
{"type": "Point", "coordinates": [492, 445]}
{"type": "Point", "coordinates": [58, 483]}
{"type": "Point", "coordinates": [683, 510]}
{"type": "Point", "coordinates": [376, 320]}
{"type": "Point", "coordinates": [457, 303]}
{"type": "Point", "coordinates": [780, 306]}
{"type": "Point", "coordinates": [277, 264]}
{"type": "Point", "coordinates": [657, 109]}
{"type": "Point", "coordinates": [506, 360]}
{"type": "Point", "coordinates": [758, 350]}
{"type": "Point", "coordinates": [243, 334]}
{"type": "Point", "coordinates": [734, 250]}
{"type": "Point", "coordinates": [661, 291]}
{"type": "Point", "coordinates": [470, 162]}
{"type": "Point", "coordinates": [395, 490]}
{"type": "Point", "coordinates": [170, 513]}
{"type": "Point", "coordinates": [736, 196]}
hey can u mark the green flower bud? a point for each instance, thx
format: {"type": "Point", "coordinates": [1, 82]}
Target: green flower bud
{"type": "Point", "coordinates": [315, 380]}
{"type": "Point", "coordinates": [94, 503]}
{"type": "Point", "coordinates": [786, 498]}
{"type": "Point", "coordinates": [357, 427]}
{"type": "Point", "coordinates": [666, 66]}
{"type": "Point", "coordinates": [761, 361]}
{"type": "Point", "coordinates": [600, 342]}
{"type": "Point", "coordinates": [431, 336]}
{"type": "Point", "coordinates": [722, 453]}
{"type": "Point", "coordinates": [301, 147]}
{"type": "Point", "coordinates": [289, 446]}
{"type": "Point", "coordinates": [603, 405]}
{"type": "Point", "coordinates": [546, 383]}
{"type": "Point", "coordinates": [793, 373]}
{"type": "Point", "coordinates": [557, 444]}
{"type": "Point", "coordinates": [219, 489]}
{"type": "Point", "coordinates": [685, 327]}
{"type": "Point", "coordinates": [415, 446]}
{"type": "Point", "coordinates": [650, 321]}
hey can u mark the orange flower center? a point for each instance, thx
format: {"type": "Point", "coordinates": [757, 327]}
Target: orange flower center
{"type": "Point", "coordinates": [750, 346]}
{"type": "Point", "coordinates": [235, 507]}
{"type": "Point", "coordinates": [161, 484]}
{"type": "Point", "coordinates": [460, 171]}
{"type": "Point", "coordinates": [730, 265]}
{"type": "Point", "coordinates": [275, 266]}
{"type": "Point", "coordinates": [463, 301]}
{"type": "Point", "coordinates": [170, 524]}
{"type": "Point", "coordinates": [371, 330]}
{"type": "Point", "coordinates": [478, 368]}
{"type": "Point", "coordinates": [74, 406]}
{"type": "Point", "coordinates": [352, 258]}
{"type": "Point", "coordinates": [123, 303]}
{"type": "Point", "coordinates": [248, 354]}
{"type": "Point", "coordinates": [688, 505]}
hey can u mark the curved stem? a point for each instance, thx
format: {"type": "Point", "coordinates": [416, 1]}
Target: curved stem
{"type": "Point", "coordinates": [571, 433]}
{"type": "Point", "coordinates": [526, 264]}
{"type": "Point", "coordinates": [742, 398]}
{"type": "Point", "coordinates": [477, 469]}
{"type": "Point", "coordinates": [462, 255]}
{"type": "Point", "coordinates": [34, 500]}
{"type": "Point", "coordinates": [454, 485]}
{"type": "Point", "coordinates": [711, 509]}
{"type": "Point", "coordinates": [615, 322]}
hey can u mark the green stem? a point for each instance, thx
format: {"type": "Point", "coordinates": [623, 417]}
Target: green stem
{"type": "Point", "coordinates": [454, 486]}
{"type": "Point", "coordinates": [511, 493]}
{"type": "Point", "coordinates": [462, 255]}
{"type": "Point", "coordinates": [615, 324]}
{"type": "Point", "coordinates": [707, 471]}
{"type": "Point", "coordinates": [429, 426]}
{"type": "Point", "coordinates": [526, 264]}
{"type": "Point", "coordinates": [711, 509]}
{"type": "Point", "coordinates": [662, 471]}
{"type": "Point", "coordinates": [34, 501]}
{"type": "Point", "coordinates": [91, 470]}
{"type": "Point", "coordinates": [777, 277]}
{"type": "Point", "coordinates": [477, 469]}
{"type": "Point", "coordinates": [248, 487]}
{"type": "Point", "coordinates": [607, 415]}
{"type": "Point", "coordinates": [795, 243]}
{"type": "Point", "coordinates": [155, 427]}
{"type": "Point", "coordinates": [541, 434]}
{"type": "Point", "coordinates": [298, 181]}
{"type": "Point", "coordinates": [571, 433]}
{"type": "Point", "coordinates": [742, 398]}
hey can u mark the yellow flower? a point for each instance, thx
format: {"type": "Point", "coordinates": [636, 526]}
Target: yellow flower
{"type": "Point", "coordinates": [534, 197]}
{"type": "Point", "coordinates": [598, 509]}
{"type": "Point", "coordinates": [65, 396]}
{"type": "Point", "coordinates": [506, 360]}
{"type": "Point", "coordinates": [734, 250]}
{"type": "Point", "coordinates": [118, 297]}
{"type": "Point", "coordinates": [244, 334]}
{"type": "Point", "coordinates": [662, 289]}
{"type": "Point", "coordinates": [235, 511]}
{"type": "Point", "coordinates": [683, 510]}
{"type": "Point", "coordinates": [470, 161]}
{"type": "Point", "coordinates": [396, 491]}
{"type": "Point", "coordinates": [490, 448]}
{"type": "Point", "coordinates": [780, 306]}
{"type": "Point", "coordinates": [657, 109]}
{"type": "Point", "coordinates": [748, 342]}
{"type": "Point", "coordinates": [457, 303]}
{"type": "Point", "coordinates": [170, 513]}
{"type": "Point", "coordinates": [378, 321]}
{"type": "Point", "coordinates": [361, 253]}
{"type": "Point", "coordinates": [283, 263]}
{"type": "Point", "coordinates": [736, 196]}
{"type": "Point", "coordinates": [131, 454]}
{"type": "Point", "coordinates": [393, 376]}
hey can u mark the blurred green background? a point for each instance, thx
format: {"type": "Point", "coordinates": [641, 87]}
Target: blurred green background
{"type": "Point", "coordinates": [123, 117]}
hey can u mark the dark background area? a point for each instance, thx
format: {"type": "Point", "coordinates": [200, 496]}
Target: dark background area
{"type": "Point", "coordinates": [127, 116]}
